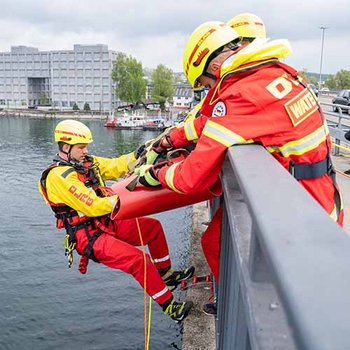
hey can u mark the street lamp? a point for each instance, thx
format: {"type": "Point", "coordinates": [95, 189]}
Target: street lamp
{"type": "Point", "coordinates": [320, 79]}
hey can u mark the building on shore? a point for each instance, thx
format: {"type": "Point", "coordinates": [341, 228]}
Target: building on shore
{"type": "Point", "coordinates": [29, 77]}
{"type": "Point", "coordinates": [183, 96]}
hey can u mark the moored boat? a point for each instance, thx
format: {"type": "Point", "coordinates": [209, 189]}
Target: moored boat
{"type": "Point", "coordinates": [126, 121]}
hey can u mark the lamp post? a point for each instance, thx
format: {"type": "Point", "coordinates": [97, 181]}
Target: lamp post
{"type": "Point", "coordinates": [323, 28]}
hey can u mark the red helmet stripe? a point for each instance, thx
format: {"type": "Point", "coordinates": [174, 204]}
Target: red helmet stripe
{"type": "Point", "coordinates": [70, 133]}
{"type": "Point", "coordinates": [200, 42]}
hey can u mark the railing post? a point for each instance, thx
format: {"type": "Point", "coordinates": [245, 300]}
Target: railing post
{"type": "Point", "coordinates": [339, 127]}
{"type": "Point", "coordinates": [232, 324]}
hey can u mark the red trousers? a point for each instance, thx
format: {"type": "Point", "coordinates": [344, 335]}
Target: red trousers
{"type": "Point", "coordinates": [118, 250]}
{"type": "Point", "coordinates": [211, 243]}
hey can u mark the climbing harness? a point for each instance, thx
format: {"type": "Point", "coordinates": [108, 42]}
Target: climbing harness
{"type": "Point", "coordinates": [68, 218]}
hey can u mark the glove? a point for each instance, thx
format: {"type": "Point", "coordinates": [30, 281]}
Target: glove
{"type": "Point", "coordinates": [140, 151]}
{"type": "Point", "coordinates": [148, 174]}
{"type": "Point", "coordinates": [158, 148]}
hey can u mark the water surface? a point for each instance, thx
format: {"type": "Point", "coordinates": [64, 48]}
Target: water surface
{"type": "Point", "coordinates": [45, 305]}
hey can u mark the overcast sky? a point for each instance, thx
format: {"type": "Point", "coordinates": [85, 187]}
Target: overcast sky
{"type": "Point", "coordinates": [156, 31]}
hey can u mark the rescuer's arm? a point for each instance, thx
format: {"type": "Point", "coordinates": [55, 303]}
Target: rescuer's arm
{"type": "Point", "coordinates": [114, 168]}
{"type": "Point", "coordinates": [178, 137]}
{"type": "Point", "coordinates": [64, 187]}
{"type": "Point", "coordinates": [188, 133]}
{"type": "Point", "coordinates": [243, 122]}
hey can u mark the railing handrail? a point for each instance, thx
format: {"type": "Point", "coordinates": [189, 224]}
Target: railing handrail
{"type": "Point", "coordinates": [303, 252]}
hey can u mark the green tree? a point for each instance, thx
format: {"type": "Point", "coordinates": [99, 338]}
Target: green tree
{"type": "Point", "coordinates": [75, 107]}
{"type": "Point", "coordinates": [331, 82]}
{"type": "Point", "coordinates": [162, 85]}
{"type": "Point", "coordinates": [308, 78]}
{"type": "Point", "coordinates": [87, 107]}
{"type": "Point", "coordinates": [341, 80]}
{"type": "Point", "coordinates": [128, 75]}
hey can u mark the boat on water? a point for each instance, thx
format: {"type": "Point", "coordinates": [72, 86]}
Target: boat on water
{"type": "Point", "coordinates": [155, 124]}
{"type": "Point", "coordinates": [126, 121]}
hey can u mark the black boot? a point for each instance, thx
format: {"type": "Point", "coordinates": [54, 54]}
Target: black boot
{"type": "Point", "coordinates": [173, 278]}
{"type": "Point", "coordinates": [177, 311]}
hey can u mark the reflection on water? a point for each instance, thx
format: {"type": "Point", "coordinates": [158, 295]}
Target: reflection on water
{"type": "Point", "coordinates": [45, 305]}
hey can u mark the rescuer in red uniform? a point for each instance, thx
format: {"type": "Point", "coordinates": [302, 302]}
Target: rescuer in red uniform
{"type": "Point", "coordinates": [253, 98]}
{"type": "Point", "coordinates": [74, 188]}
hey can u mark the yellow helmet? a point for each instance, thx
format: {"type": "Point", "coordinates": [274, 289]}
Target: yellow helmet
{"type": "Point", "coordinates": [72, 132]}
{"type": "Point", "coordinates": [204, 40]}
{"type": "Point", "coordinates": [248, 25]}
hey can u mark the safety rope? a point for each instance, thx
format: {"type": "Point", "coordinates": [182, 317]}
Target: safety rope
{"type": "Point", "coordinates": [342, 173]}
{"type": "Point", "coordinates": [147, 322]}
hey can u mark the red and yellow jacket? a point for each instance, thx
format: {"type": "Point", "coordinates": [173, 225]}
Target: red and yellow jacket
{"type": "Point", "coordinates": [64, 185]}
{"type": "Point", "coordinates": [260, 101]}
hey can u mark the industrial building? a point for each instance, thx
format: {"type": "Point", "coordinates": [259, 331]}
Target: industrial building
{"type": "Point", "coordinates": [29, 77]}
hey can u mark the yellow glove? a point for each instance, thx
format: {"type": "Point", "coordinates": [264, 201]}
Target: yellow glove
{"type": "Point", "coordinates": [147, 176]}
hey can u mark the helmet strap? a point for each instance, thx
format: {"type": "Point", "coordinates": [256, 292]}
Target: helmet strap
{"type": "Point", "coordinates": [68, 154]}
{"type": "Point", "coordinates": [209, 75]}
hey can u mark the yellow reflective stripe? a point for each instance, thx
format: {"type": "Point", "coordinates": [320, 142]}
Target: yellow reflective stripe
{"type": "Point", "coordinates": [326, 127]}
{"type": "Point", "coordinates": [221, 134]}
{"type": "Point", "coordinates": [303, 145]}
{"type": "Point", "coordinates": [169, 177]}
{"type": "Point", "coordinates": [190, 131]}
{"type": "Point", "coordinates": [334, 215]}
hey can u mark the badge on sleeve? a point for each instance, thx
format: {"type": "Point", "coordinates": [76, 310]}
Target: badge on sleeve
{"type": "Point", "coordinates": [219, 109]}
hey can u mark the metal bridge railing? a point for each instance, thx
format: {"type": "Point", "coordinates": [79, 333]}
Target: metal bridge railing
{"type": "Point", "coordinates": [285, 265]}
{"type": "Point", "coordinates": [338, 124]}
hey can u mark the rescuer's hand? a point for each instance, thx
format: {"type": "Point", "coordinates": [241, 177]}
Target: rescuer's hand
{"type": "Point", "coordinates": [140, 151]}
{"type": "Point", "coordinates": [148, 174]}
{"type": "Point", "coordinates": [147, 177]}
{"type": "Point", "coordinates": [158, 148]}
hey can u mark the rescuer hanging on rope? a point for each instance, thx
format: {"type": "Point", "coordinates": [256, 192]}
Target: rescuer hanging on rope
{"type": "Point", "coordinates": [74, 188]}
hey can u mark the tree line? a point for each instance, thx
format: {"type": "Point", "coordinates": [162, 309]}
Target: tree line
{"type": "Point", "coordinates": [338, 81]}
{"type": "Point", "coordinates": [129, 77]}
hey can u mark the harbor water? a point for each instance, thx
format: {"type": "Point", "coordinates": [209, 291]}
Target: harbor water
{"type": "Point", "coordinates": [45, 305]}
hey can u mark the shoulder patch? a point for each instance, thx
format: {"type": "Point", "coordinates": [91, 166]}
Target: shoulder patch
{"type": "Point", "coordinates": [219, 109]}
{"type": "Point", "coordinates": [301, 107]}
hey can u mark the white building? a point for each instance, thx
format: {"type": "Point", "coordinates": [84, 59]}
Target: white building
{"type": "Point", "coordinates": [183, 96]}
{"type": "Point", "coordinates": [61, 78]}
